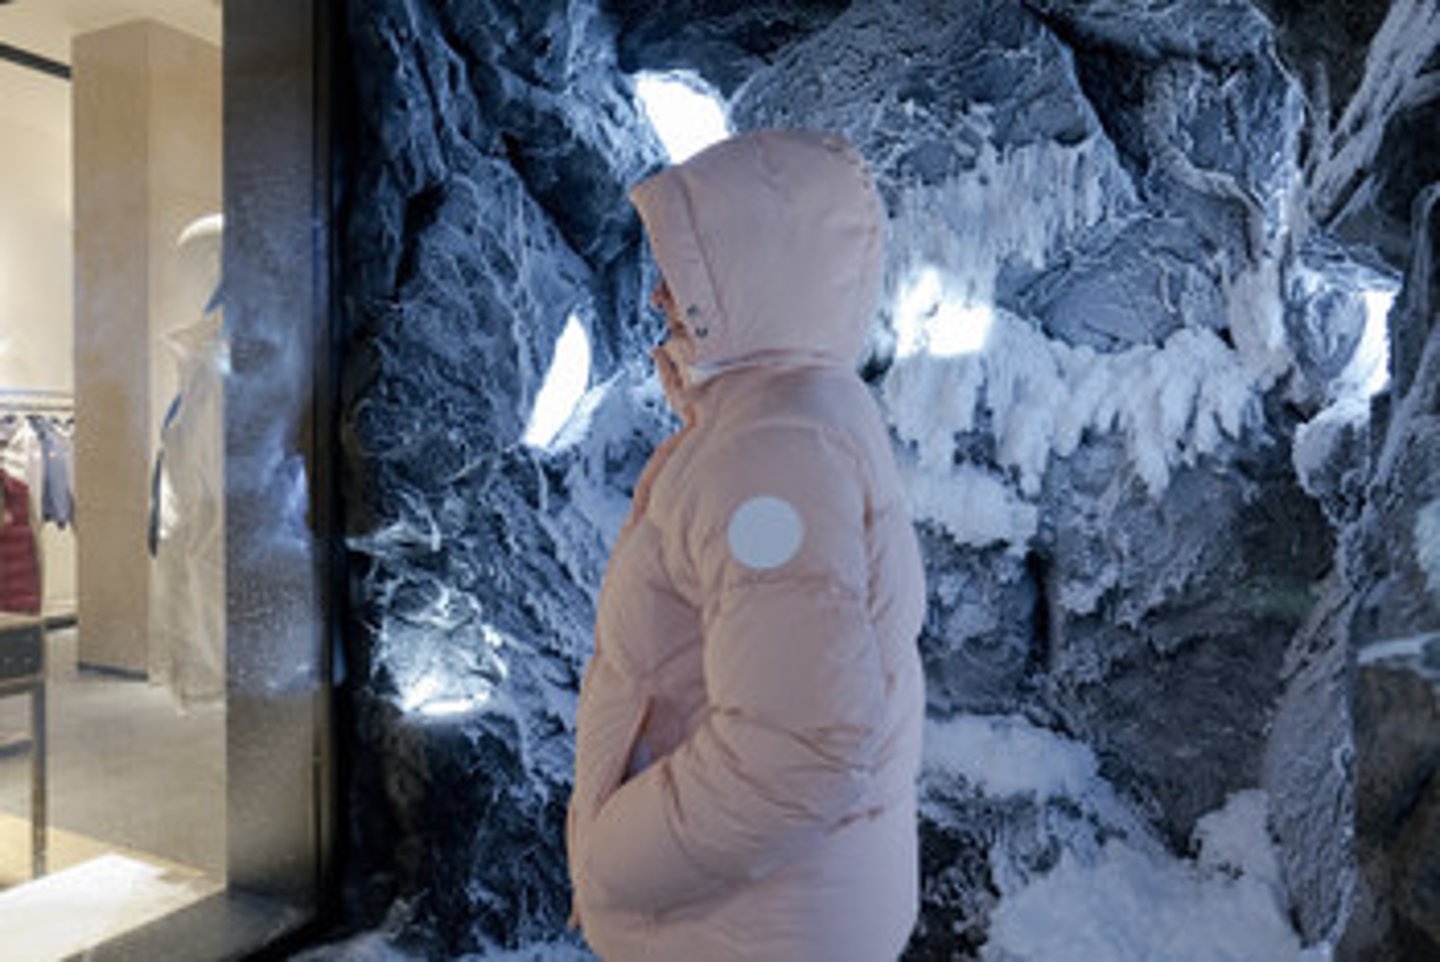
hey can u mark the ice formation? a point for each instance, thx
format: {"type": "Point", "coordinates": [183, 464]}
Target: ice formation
{"type": "Point", "coordinates": [1172, 404]}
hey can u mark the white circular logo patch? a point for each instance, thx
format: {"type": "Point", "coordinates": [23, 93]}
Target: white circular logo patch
{"type": "Point", "coordinates": [765, 532]}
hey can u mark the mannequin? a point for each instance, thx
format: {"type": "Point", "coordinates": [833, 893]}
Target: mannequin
{"type": "Point", "coordinates": [188, 525]}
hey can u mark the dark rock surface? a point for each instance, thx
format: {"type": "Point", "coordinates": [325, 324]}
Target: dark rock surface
{"type": "Point", "coordinates": [1392, 557]}
{"type": "Point", "coordinates": [722, 40]}
{"type": "Point", "coordinates": [487, 175]}
{"type": "Point", "coordinates": [1160, 515]}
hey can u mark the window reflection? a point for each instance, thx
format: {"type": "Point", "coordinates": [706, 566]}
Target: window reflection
{"type": "Point", "coordinates": [112, 590]}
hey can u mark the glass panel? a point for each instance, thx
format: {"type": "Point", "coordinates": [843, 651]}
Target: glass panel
{"type": "Point", "coordinates": [162, 672]}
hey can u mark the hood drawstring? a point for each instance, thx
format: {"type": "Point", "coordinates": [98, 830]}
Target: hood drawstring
{"type": "Point", "coordinates": [674, 382]}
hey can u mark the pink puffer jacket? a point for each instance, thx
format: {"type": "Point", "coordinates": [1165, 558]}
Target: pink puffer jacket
{"type": "Point", "coordinates": [749, 727]}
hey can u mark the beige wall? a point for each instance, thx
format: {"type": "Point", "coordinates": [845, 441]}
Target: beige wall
{"type": "Point", "coordinates": [36, 267]}
{"type": "Point", "coordinates": [35, 254]}
{"type": "Point", "coordinates": [147, 117]}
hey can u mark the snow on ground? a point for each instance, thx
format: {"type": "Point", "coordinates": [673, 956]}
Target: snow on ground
{"type": "Point", "coordinates": [1128, 900]}
{"type": "Point", "coordinates": [1130, 907]}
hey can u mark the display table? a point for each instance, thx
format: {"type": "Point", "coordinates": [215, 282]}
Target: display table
{"type": "Point", "coordinates": [22, 672]}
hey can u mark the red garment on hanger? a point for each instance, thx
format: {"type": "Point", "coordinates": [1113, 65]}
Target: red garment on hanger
{"type": "Point", "coordinates": [19, 559]}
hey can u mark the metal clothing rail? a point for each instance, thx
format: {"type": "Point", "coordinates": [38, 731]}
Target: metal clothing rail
{"type": "Point", "coordinates": [21, 400]}
{"type": "Point", "coordinates": [43, 392]}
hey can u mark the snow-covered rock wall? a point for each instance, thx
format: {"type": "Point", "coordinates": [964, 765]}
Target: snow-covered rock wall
{"type": "Point", "coordinates": [1133, 352]}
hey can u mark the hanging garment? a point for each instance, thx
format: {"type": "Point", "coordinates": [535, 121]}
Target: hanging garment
{"type": "Point", "coordinates": [57, 497]}
{"type": "Point", "coordinates": [21, 457]}
{"type": "Point", "coordinates": [188, 521]}
{"type": "Point", "coordinates": [19, 555]}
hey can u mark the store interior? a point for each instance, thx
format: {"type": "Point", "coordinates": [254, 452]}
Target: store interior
{"type": "Point", "coordinates": [112, 722]}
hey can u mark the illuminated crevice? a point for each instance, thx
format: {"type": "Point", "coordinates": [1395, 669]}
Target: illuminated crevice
{"type": "Point", "coordinates": [686, 113]}
{"type": "Point", "coordinates": [565, 384]}
{"type": "Point", "coordinates": [929, 318]}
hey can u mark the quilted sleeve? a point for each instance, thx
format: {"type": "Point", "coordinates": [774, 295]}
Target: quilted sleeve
{"type": "Point", "coordinates": [793, 677]}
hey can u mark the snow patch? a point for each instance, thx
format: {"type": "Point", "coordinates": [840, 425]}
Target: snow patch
{"type": "Point", "coordinates": [1126, 899]}
{"type": "Point", "coordinates": [1007, 755]}
{"type": "Point", "coordinates": [975, 506]}
{"type": "Point", "coordinates": [1316, 440]}
{"type": "Point", "coordinates": [435, 681]}
{"type": "Point", "coordinates": [1255, 316]}
{"type": "Point", "coordinates": [1130, 905]}
{"type": "Point", "coordinates": [1235, 840]}
{"type": "Point", "coordinates": [1131, 908]}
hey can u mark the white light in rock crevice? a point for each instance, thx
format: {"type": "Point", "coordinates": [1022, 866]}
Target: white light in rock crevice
{"type": "Point", "coordinates": [565, 384]}
{"type": "Point", "coordinates": [447, 707]}
{"type": "Point", "coordinates": [436, 696]}
{"type": "Point", "coordinates": [429, 700]}
{"type": "Point", "coordinates": [686, 113]}
{"type": "Point", "coordinates": [1369, 370]}
{"type": "Point", "coordinates": [929, 318]}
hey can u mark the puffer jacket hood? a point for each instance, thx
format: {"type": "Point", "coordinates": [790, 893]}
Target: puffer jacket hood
{"type": "Point", "coordinates": [772, 242]}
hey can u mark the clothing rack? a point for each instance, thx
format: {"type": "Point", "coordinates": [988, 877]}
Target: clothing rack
{"type": "Point", "coordinates": [36, 401]}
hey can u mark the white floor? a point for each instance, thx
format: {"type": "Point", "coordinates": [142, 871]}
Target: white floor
{"type": "Point", "coordinates": [84, 905]}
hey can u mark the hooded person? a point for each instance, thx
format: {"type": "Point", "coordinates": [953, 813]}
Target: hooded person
{"type": "Point", "coordinates": [749, 727]}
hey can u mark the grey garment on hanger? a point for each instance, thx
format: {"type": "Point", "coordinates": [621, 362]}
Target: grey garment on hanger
{"type": "Point", "coordinates": [57, 451]}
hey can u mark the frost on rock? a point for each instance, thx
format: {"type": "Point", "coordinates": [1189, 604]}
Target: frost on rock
{"type": "Point", "coordinates": [1007, 755]}
{"type": "Point", "coordinates": [1395, 616]}
{"type": "Point", "coordinates": [491, 213]}
{"type": "Point", "coordinates": [1427, 545]}
{"type": "Point", "coordinates": [974, 506]}
{"type": "Point", "coordinates": [1329, 454]}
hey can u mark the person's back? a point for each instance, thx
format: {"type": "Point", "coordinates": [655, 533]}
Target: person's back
{"type": "Point", "coordinates": [749, 728]}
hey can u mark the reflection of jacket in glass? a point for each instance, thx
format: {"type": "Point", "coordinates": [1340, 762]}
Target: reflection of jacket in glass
{"type": "Point", "coordinates": [749, 726]}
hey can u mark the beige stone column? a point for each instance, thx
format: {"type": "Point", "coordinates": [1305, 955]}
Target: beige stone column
{"type": "Point", "coordinates": [147, 120]}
